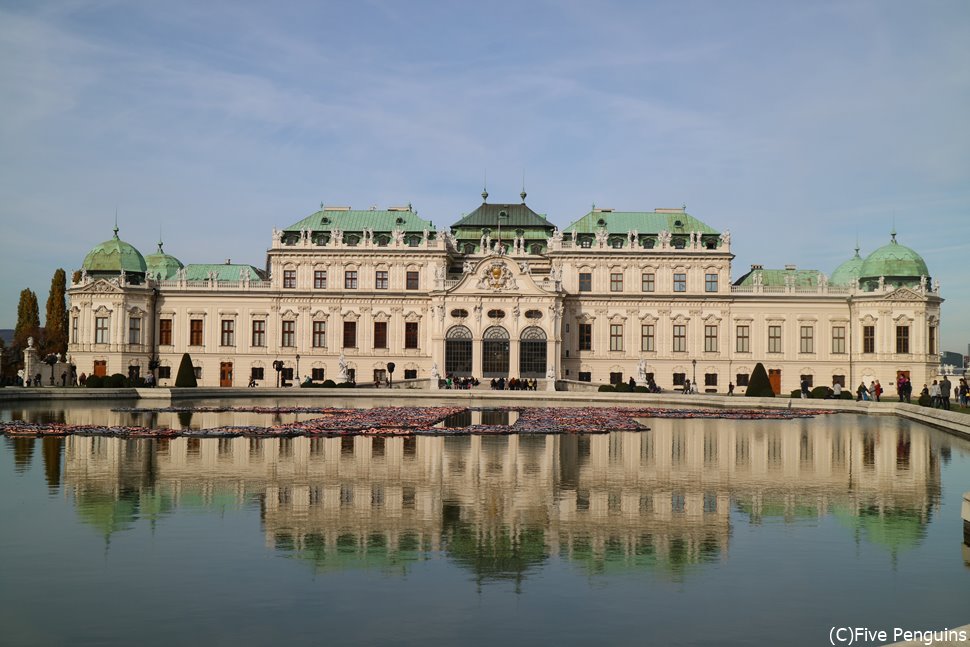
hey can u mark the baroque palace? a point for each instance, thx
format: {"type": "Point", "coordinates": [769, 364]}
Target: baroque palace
{"type": "Point", "coordinates": [505, 293]}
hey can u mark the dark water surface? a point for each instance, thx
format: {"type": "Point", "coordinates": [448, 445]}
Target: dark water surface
{"type": "Point", "coordinates": [695, 532]}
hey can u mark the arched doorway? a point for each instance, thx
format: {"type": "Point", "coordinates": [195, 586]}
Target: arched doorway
{"type": "Point", "coordinates": [495, 352]}
{"type": "Point", "coordinates": [532, 352]}
{"type": "Point", "coordinates": [458, 351]}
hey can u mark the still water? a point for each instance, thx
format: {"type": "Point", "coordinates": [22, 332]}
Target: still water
{"type": "Point", "coordinates": [695, 532]}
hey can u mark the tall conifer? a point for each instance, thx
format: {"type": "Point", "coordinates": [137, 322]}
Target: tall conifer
{"type": "Point", "coordinates": [55, 326]}
{"type": "Point", "coordinates": [28, 320]}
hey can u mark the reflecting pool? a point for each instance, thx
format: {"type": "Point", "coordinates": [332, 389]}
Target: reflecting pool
{"type": "Point", "coordinates": [724, 532]}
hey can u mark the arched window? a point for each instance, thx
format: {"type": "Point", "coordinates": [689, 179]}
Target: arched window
{"type": "Point", "coordinates": [458, 351]}
{"type": "Point", "coordinates": [495, 352]}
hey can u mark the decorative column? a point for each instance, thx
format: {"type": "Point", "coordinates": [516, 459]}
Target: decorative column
{"type": "Point", "coordinates": [32, 361]}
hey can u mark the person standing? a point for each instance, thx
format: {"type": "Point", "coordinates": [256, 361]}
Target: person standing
{"type": "Point", "coordinates": [964, 392]}
{"type": "Point", "coordinates": [804, 386]}
{"type": "Point", "coordinates": [837, 390]}
{"type": "Point", "coordinates": [935, 394]}
{"type": "Point", "coordinates": [945, 387]}
{"type": "Point", "coordinates": [878, 391]}
{"type": "Point", "coordinates": [862, 393]}
{"type": "Point", "coordinates": [730, 388]}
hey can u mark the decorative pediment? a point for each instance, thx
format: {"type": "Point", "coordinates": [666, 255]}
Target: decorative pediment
{"type": "Point", "coordinates": [102, 310]}
{"type": "Point", "coordinates": [585, 317]}
{"type": "Point", "coordinates": [350, 316]}
{"type": "Point", "coordinates": [319, 314]}
{"type": "Point", "coordinates": [496, 276]}
{"type": "Point", "coordinates": [101, 286]}
{"type": "Point", "coordinates": [380, 315]}
{"type": "Point", "coordinates": [904, 294]}
{"type": "Point", "coordinates": [648, 318]}
{"type": "Point", "coordinates": [289, 314]}
{"type": "Point", "coordinates": [412, 316]}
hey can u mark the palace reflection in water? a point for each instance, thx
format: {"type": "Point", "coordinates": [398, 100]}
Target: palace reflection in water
{"type": "Point", "coordinates": [501, 506]}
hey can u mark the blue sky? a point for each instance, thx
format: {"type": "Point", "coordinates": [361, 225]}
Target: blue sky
{"type": "Point", "coordinates": [796, 125]}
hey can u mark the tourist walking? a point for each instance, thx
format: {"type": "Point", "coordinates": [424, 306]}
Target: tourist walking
{"type": "Point", "coordinates": [945, 387]}
{"type": "Point", "coordinates": [862, 393]}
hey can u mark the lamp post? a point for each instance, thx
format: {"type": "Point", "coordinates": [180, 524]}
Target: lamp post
{"type": "Point", "coordinates": [694, 362]}
{"type": "Point", "coordinates": [278, 366]}
{"type": "Point", "coordinates": [298, 368]}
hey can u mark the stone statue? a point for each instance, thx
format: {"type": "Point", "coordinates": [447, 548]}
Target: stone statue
{"type": "Point", "coordinates": [726, 238]}
{"type": "Point", "coordinates": [922, 283]}
{"type": "Point", "coordinates": [664, 238]}
{"type": "Point", "coordinates": [30, 342]}
{"type": "Point", "coordinates": [515, 311]}
{"type": "Point", "coordinates": [435, 375]}
{"type": "Point", "coordinates": [642, 372]}
{"type": "Point", "coordinates": [398, 236]}
{"type": "Point", "coordinates": [525, 268]}
{"type": "Point", "coordinates": [342, 374]}
{"type": "Point", "coordinates": [424, 236]}
{"type": "Point", "coordinates": [468, 267]}
{"type": "Point", "coordinates": [823, 281]}
{"type": "Point", "coordinates": [123, 278]}
{"type": "Point", "coordinates": [601, 235]}
{"type": "Point", "coordinates": [84, 276]}
{"type": "Point", "coordinates": [936, 285]}
{"type": "Point", "coordinates": [555, 273]}
{"type": "Point", "coordinates": [882, 283]}
{"type": "Point", "coordinates": [557, 236]}
{"type": "Point", "coordinates": [338, 237]}
{"type": "Point", "coordinates": [758, 279]}
{"type": "Point", "coordinates": [439, 272]}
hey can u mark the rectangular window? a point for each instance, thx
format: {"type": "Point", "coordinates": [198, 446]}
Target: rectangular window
{"type": "Point", "coordinates": [319, 334]}
{"type": "Point", "coordinates": [164, 332]}
{"type": "Point", "coordinates": [318, 374]}
{"type": "Point", "coordinates": [838, 379]}
{"type": "Point", "coordinates": [410, 374]}
{"type": "Point", "coordinates": [902, 339]}
{"type": "Point", "coordinates": [806, 339]}
{"type": "Point", "coordinates": [195, 332]}
{"type": "Point", "coordinates": [585, 336]}
{"type": "Point", "coordinates": [616, 378]}
{"type": "Point", "coordinates": [680, 283]}
{"type": "Point", "coordinates": [350, 280]}
{"type": "Point", "coordinates": [289, 279]}
{"type": "Point", "coordinates": [585, 376]}
{"type": "Point", "coordinates": [320, 279]}
{"type": "Point", "coordinates": [774, 339]}
{"type": "Point", "coordinates": [710, 282]}
{"type": "Point", "coordinates": [228, 336]}
{"type": "Point", "coordinates": [932, 340]}
{"type": "Point", "coordinates": [838, 339]}
{"type": "Point", "coordinates": [680, 338]}
{"type": "Point", "coordinates": [710, 379]}
{"type": "Point", "coordinates": [809, 379]}
{"type": "Point", "coordinates": [259, 332]}
{"type": "Point", "coordinates": [412, 280]}
{"type": "Point", "coordinates": [585, 282]}
{"type": "Point", "coordinates": [100, 330]}
{"type": "Point", "coordinates": [648, 282]}
{"type": "Point", "coordinates": [198, 372]}
{"type": "Point", "coordinates": [134, 330]}
{"type": "Point", "coordinates": [744, 339]}
{"type": "Point", "coordinates": [256, 372]}
{"type": "Point", "coordinates": [73, 330]}
{"type": "Point", "coordinates": [616, 282]}
{"type": "Point", "coordinates": [616, 336]}
{"type": "Point", "coordinates": [164, 372]}
{"type": "Point", "coordinates": [288, 336]}
{"type": "Point", "coordinates": [679, 379]}
{"type": "Point", "coordinates": [380, 280]}
{"type": "Point", "coordinates": [350, 334]}
{"type": "Point", "coordinates": [868, 339]}
{"type": "Point", "coordinates": [647, 338]}
{"type": "Point", "coordinates": [411, 334]}
{"type": "Point", "coordinates": [710, 339]}
{"type": "Point", "coordinates": [380, 334]}
{"type": "Point", "coordinates": [742, 379]}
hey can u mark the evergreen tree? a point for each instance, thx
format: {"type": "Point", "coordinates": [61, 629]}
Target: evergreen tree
{"type": "Point", "coordinates": [55, 326]}
{"type": "Point", "coordinates": [28, 321]}
{"type": "Point", "coordinates": [186, 375]}
{"type": "Point", "coordinates": [759, 386]}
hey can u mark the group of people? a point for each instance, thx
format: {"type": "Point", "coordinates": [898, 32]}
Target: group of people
{"type": "Point", "coordinates": [513, 384]}
{"type": "Point", "coordinates": [452, 382]}
{"type": "Point", "coordinates": [872, 392]}
{"type": "Point", "coordinates": [939, 392]}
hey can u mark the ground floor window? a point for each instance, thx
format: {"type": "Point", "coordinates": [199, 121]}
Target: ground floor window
{"type": "Point", "coordinates": [256, 373]}
{"type": "Point", "coordinates": [616, 378]}
{"type": "Point", "coordinates": [679, 379]}
{"type": "Point", "coordinates": [809, 379]}
{"type": "Point", "coordinates": [318, 374]}
{"type": "Point", "coordinates": [741, 379]}
{"type": "Point", "coordinates": [410, 374]}
{"type": "Point", "coordinates": [710, 379]}
{"type": "Point", "coordinates": [585, 376]}
{"type": "Point", "coordinates": [164, 372]}
{"type": "Point", "coordinates": [838, 379]}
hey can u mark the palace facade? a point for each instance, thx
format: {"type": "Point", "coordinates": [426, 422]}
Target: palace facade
{"type": "Point", "coordinates": [504, 293]}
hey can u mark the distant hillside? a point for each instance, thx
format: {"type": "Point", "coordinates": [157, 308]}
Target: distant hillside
{"type": "Point", "coordinates": [7, 335]}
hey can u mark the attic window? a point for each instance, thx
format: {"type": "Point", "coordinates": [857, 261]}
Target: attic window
{"type": "Point", "coordinates": [459, 313]}
{"type": "Point", "coordinates": [710, 243]}
{"type": "Point", "coordinates": [601, 222]}
{"type": "Point", "coordinates": [533, 314]}
{"type": "Point", "coordinates": [325, 220]}
{"type": "Point", "coordinates": [616, 243]}
{"type": "Point", "coordinates": [382, 241]}
{"type": "Point", "coordinates": [414, 241]}
{"type": "Point", "coordinates": [400, 221]}
{"type": "Point", "coordinates": [678, 223]}
{"type": "Point", "coordinates": [496, 314]}
{"type": "Point", "coordinates": [586, 243]}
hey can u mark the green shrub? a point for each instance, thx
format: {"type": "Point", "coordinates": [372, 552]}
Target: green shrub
{"type": "Point", "coordinates": [758, 385]}
{"type": "Point", "coordinates": [94, 382]}
{"type": "Point", "coordinates": [185, 378]}
{"type": "Point", "coordinates": [622, 387]}
{"type": "Point", "coordinates": [346, 385]}
{"type": "Point", "coordinates": [606, 388]}
{"type": "Point", "coordinates": [796, 393]}
{"type": "Point", "coordinates": [846, 395]}
{"type": "Point", "coordinates": [820, 392]}
{"type": "Point", "coordinates": [328, 384]}
{"type": "Point", "coordinates": [925, 401]}
{"type": "Point", "coordinates": [641, 389]}
{"type": "Point", "coordinates": [115, 381]}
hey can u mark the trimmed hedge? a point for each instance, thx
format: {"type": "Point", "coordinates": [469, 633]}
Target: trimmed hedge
{"type": "Point", "coordinates": [94, 382]}
{"type": "Point", "coordinates": [622, 387]}
{"type": "Point", "coordinates": [346, 385]}
{"type": "Point", "coordinates": [758, 384]}
{"type": "Point", "coordinates": [925, 401]}
{"type": "Point", "coordinates": [185, 378]}
{"type": "Point", "coordinates": [641, 389]}
{"type": "Point", "coordinates": [606, 388]}
{"type": "Point", "coordinates": [329, 384]}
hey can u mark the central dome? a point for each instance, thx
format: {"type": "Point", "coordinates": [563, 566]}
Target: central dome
{"type": "Point", "coordinates": [113, 256]}
{"type": "Point", "coordinates": [848, 272]}
{"type": "Point", "coordinates": [897, 264]}
{"type": "Point", "coordinates": [162, 266]}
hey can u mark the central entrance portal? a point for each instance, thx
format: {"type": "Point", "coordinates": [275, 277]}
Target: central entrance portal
{"type": "Point", "coordinates": [495, 352]}
{"type": "Point", "coordinates": [458, 352]}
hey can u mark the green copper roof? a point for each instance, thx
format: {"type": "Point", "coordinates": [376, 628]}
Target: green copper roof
{"type": "Point", "coordinates": [224, 272]}
{"type": "Point", "coordinates": [519, 216]}
{"type": "Point", "coordinates": [378, 220]}
{"type": "Point", "coordinates": [645, 222]}
{"type": "Point", "coordinates": [161, 265]}
{"type": "Point", "coordinates": [776, 278]}
{"type": "Point", "coordinates": [847, 272]}
{"type": "Point", "coordinates": [114, 256]}
{"type": "Point", "coordinates": [894, 260]}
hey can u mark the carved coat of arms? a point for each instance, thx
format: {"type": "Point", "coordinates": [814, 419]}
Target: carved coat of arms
{"type": "Point", "coordinates": [496, 276]}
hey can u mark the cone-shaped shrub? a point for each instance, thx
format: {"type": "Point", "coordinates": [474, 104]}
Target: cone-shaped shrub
{"type": "Point", "coordinates": [186, 374]}
{"type": "Point", "coordinates": [758, 385]}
